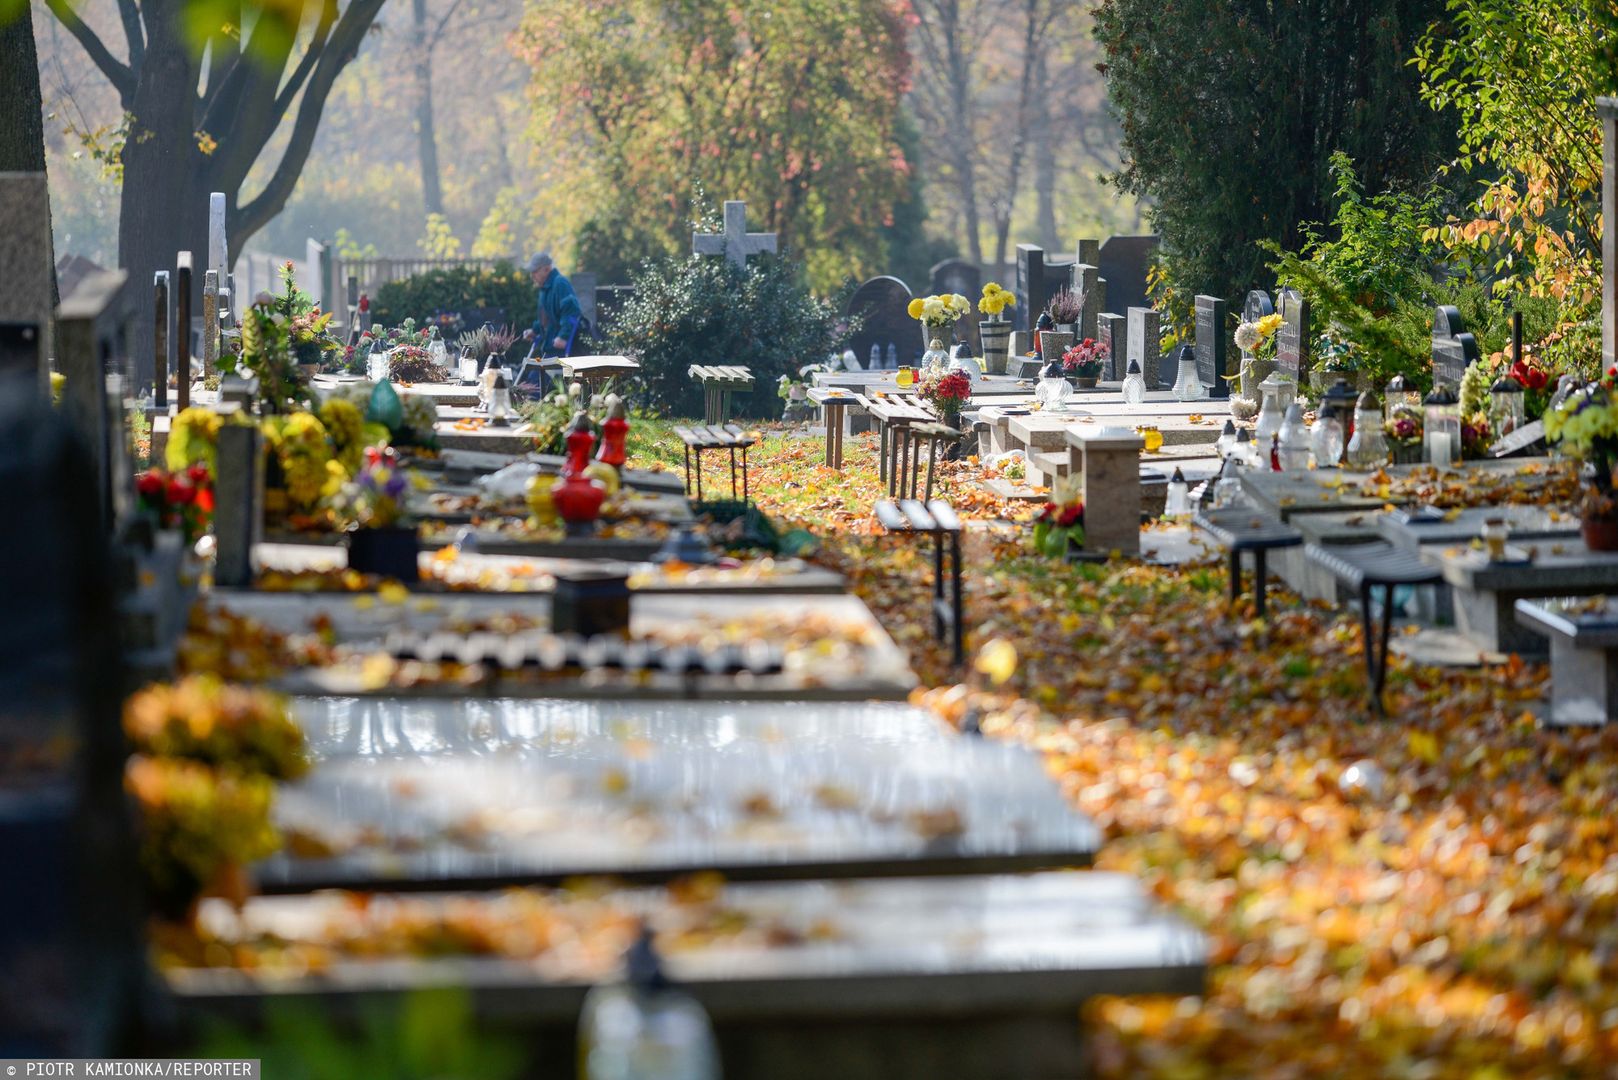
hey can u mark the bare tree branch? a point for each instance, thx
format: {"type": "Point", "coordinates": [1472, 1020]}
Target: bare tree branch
{"type": "Point", "coordinates": [120, 75]}
{"type": "Point", "coordinates": [130, 14]}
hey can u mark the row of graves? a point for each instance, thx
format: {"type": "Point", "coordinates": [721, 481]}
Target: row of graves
{"type": "Point", "coordinates": [1490, 539]}
{"type": "Point", "coordinates": [352, 697]}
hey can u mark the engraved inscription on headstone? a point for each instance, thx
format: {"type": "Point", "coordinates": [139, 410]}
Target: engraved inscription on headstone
{"type": "Point", "coordinates": [1292, 340]}
{"type": "Point", "coordinates": [1212, 362]}
{"type": "Point", "coordinates": [1453, 348]}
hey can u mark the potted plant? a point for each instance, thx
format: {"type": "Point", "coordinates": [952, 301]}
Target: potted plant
{"type": "Point", "coordinates": [1065, 309]}
{"type": "Point", "coordinates": [938, 316]}
{"type": "Point", "coordinates": [1059, 525]}
{"type": "Point", "coordinates": [1084, 362]}
{"type": "Point", "coordinates": [382, 542]}
{"type": "Point", "coordinates": [947, 393]}
{"type": "Point", "coordinates": [1585, 424]}
{"type": "Point", "coordinates": [994, 330]}
{"type": "Point", "coordinates": [1403, 430]}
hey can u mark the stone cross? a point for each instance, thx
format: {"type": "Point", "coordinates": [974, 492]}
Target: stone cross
{"type": "Point", "coordinates": [1212, 355]}
{"type": "Point", "coordinates": [1113, 332]}
{"type": "Point", "coordinates": [1607, 107]}
{"type": "Point", "coordinates": [160, 341]}
{"type": "Point", "coordinates": [210, 321]}
{"type": "Point", "coordinates": [1087, 253]}
{"type": "Point", "coordinates": [1143, 345]}
{"type": "Point", "coordinates": [218, 249]}
{"type": "Point", "coordinates": [25, 270]}
{"type": "Point", "coordinates": [735, 243]}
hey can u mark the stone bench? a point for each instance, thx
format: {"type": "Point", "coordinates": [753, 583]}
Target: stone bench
{"type": "Point", "coordinates": [1486, 593]}
{"type": "Point", "coordinates": [1584, 657]}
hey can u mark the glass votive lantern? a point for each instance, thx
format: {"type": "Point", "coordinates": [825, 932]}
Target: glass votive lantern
{"type": "Point", "coordinates": [1506, 412]}
{"type": "Point", "coordinates": [1400, 392]}
{"type": "Point", "coordinates": [1441, 426]}
{"type": "Point", "coordinates": [500, 401]}
{"type": "Point", "coordinates": [1277, 395]}
{"type": "Point", "coordinates": [1292, 451]}
{"type": "Point", "coordinates": [1368, 446]}
{"type": "Point", "coordinates": [1177, 503]}
{"type": "Point", "coordinates": [1134, 388]}
{"type": "Point", "coordinates": [1053, 388]}
{"type": "Point", "coordinates": [906, 378]}
{"type": "Point", "coordinates": [1496, 531]}
{"type": "Point", "coordinates": [468, 364]}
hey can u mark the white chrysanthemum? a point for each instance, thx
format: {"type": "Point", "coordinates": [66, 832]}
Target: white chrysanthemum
{"type": "Point", "coordinates": [420, 412]}
{"type": "Point", "coordinates": [1248, 337]}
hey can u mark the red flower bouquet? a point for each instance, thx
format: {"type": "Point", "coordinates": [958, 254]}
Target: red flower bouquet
{"type": "Point", "coordinates": [182, 500]}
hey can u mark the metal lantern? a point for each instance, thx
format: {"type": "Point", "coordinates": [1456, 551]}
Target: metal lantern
{"type": "Point", "coordinates": [1399, 392]}
{"type": "Point", "coordinates": [500, 401]}
{"type": "Point", "coordinates": [1053, 388]}
{"type": "Point", "coordinates": [1293, 449]}
{"type": "Point", "coordinates": [1187, 384]}
{"type": "Point", "coordinates": [1329, 436]}
{"type": "Point", "coordinates": [1441, 426]}
{"type": "Point", "coordinates": [1134, 388]}
{"type": "Point", "coordinates": [1505, 406]}
{"type": "Point", "coordinates": [1368, 448]}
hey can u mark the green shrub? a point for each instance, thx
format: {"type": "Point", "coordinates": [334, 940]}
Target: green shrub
{"type": "Point", "coordinates": [420, 296]}
{"type": "Point", "coordinates": [703, 310]}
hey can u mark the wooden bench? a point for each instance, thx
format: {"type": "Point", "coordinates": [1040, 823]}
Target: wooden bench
{"type": "Point", "coordinates": [718, 384]}
{"type": "Point", "coordinates": [893, 414]}
{"type": "Point", "coordinates": [712, 437]}
{"type": "Point", "coordinates": [938, 519]}
{"type": "Point", "coordinates": [1365, 567]}
{"type": "Point", "coordinates": [1238, 530]}
{"type": "Point", "coordinates": [834, 401]}
{"type": "Point", "coordinates": [1584, 656]}
{"type": "Point", "coordinates": [911, 437]}
{"type": "Point", "coordinates": [595, 372]}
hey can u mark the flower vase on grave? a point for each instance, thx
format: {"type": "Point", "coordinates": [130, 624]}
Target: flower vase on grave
{"type": "Point", "coordinates": [578, 497]}
{"type": "Point", "coordinates": [996, 337]}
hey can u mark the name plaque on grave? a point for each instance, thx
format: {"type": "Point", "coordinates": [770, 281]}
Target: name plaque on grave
{"type": "Point", "coordinates": [1292, 340]}
{"type": "Point", "coordinates": [1212, 362]}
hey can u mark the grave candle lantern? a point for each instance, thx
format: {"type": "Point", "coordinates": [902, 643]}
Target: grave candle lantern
{"type": "Point", "coordinates": [1134, 388]}
{"type": "Point", "coordinates": [1329, 437]}
{"type": "Point", "coordinates": [1399, 392]}
{"type": "Point", "coordinates": [1277, 395]}
{"type": "Point", "coordinates": [1187, 384]}
{"type": "Point", "coordinates": [469, 365]}
{"type": "Point", "coordinates": [1505, 406]}
{"type": "Point", "coordinates": [1441, 428]}
{"type": "Point", "coordinates": [1368, 449]}
{"type": "Point", "coordinates": [1227, 439]}
{"type": "Point", "coordinates": [1293, 448]}
{"type": "Point", "coordinates": [1053, 389]}
{"type": "Point", "coordinates": [578, 497]}
{"type": "Point", "coordinates": [1178, 502]}
{"type": "Point", "coordinates": [614, 431]}
{"type": "Point", "coordinates": [500, 402]}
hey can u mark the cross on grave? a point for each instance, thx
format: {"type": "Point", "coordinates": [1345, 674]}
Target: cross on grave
{"type": "Point", "coordinates": [735, 243]}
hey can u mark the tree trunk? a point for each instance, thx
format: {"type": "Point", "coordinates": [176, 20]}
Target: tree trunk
{"type": "Point", "coordinates": [1044, 135]}
{"type": "Point", "coordinates": [22, 124]}
{"type": "Point", "coordinates": [432, 192]}
{"type": "Point", "coordinates": [161, 210]}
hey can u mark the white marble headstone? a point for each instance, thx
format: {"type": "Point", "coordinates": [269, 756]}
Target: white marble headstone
{"type": "Point", "coordinates": [218, 245]}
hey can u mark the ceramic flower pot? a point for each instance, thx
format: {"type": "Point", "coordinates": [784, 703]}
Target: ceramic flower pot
{"type": "Point", "coordinates": [1600, 534]}
{"type": "Point", "coordinates": [1084, 382]}
{"type": "Point", "coordinates": [996, 337]}
{"type": "Point", "coordinates": [388, 552]}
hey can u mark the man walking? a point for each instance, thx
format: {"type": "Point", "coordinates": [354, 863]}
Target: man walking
{"type": "Point", "coordinates": [559, 311]}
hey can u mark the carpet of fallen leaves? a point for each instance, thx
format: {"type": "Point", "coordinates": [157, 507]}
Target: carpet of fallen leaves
{"type": "Point", "coordinates": [1445, 909]}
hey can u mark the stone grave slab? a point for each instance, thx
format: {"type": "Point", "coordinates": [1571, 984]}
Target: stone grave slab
{"type": "Point", "coordinates": [1583, 636]}
{"type": "Point", "coordinates": [906, 978]}
{"type": "Point", "coordinates": [1113, 332]}
{"type": "Point", "coordinates": [1292, 340]}
{"type": "Point", "coordinates": [882, 302]}
{"type": "Point", "coordinates": [1212, 346]}
{"type": "Point", "coordinates": [1142, 337]}
{"type": "Point", "coordinates": [1289, 495]}
{"type": "Point", "coordinates": [1308, 578]}
{"type": "Point", "coordinates": [1486, 592]}
{"type": "Point", "coordinates": [536, 792]}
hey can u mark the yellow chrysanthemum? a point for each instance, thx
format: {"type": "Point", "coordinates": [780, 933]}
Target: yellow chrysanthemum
{"type": "Point", "coordinates": [916, 307]}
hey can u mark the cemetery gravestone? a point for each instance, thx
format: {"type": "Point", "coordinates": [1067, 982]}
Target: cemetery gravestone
{"type": "Point", "coordinates": [960, 276]}
{"type": "Point", "coordinates": [1087, 282]}
{"type": "Point", "coordinates": [90, 325]}
{"type": "Point", "coordinates": [735, 243]}
{"type": "Point", "coordinates": [210, 321]}
{"type": "Point", "coordinates": [1212, 362]}
{"type": "Point", "coordinates": [1058, 276]}
{"type": "Point", "coordinates": [1113, 332]}
{"type": "Point", "coordinates": [25, 269]}
{"type": "Point", "coordinates": [161, 334]}
{"type": "Point", "coordinates": [1143, 345]}
{"type": "Point", "coordinates": [1253, 370]}
{"type": "Point", "coordinates": [1030, 286]}
{"type": "Point", "coordinates": [1292, 340]}
{"type": "Point", "coordinates": [238, 504]}
{"type": "Point", "coordinates": [218, 248]}
{"type": "Point", "coordinates": [1453, 348]}
{"type": "Point", "coordinates": [182, 330]}
{"type": "Point", "coordinates": [887, 326]}
{"type": "Point", "coordinates": [1087, 252]}
{"type": "Point", "coordinates": [1123, 261]}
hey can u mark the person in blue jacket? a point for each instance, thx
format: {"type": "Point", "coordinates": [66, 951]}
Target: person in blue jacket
{"type": "Point", "coordinates": [559, 311]}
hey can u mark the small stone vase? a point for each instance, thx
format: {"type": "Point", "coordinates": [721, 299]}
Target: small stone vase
{"type": "Point", "coordinates": [996, 337]}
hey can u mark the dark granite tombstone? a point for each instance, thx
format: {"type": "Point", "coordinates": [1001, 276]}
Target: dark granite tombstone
{"type": "Point", "coordinates": [881, 303]}
{"type": "Point", "coordinates": [1123, 261]}
{"type": "Point", "coordinates": [69, 916]}
{"type": "Point", "coordinates": [1029, 287]}
{"type": "Point", "coordinates": [965, 278]}
{"type": "Point", "coordinates": [182, 330]}
{"type": "Point", "coordinates": [238, 504]}
{"type": "Point", "coordinates": [1257, 306]}
{"type": "Point", "coordinates": [1113, 331]}
{"type": "Point", "coordinates": [91, 351]}
{"type": "Point", "coordinates": [1292, 340]}
{"type": "Point", "coordinates": [1212, 348]}
{"type": "Point", "coordinates": [1453, 348]}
